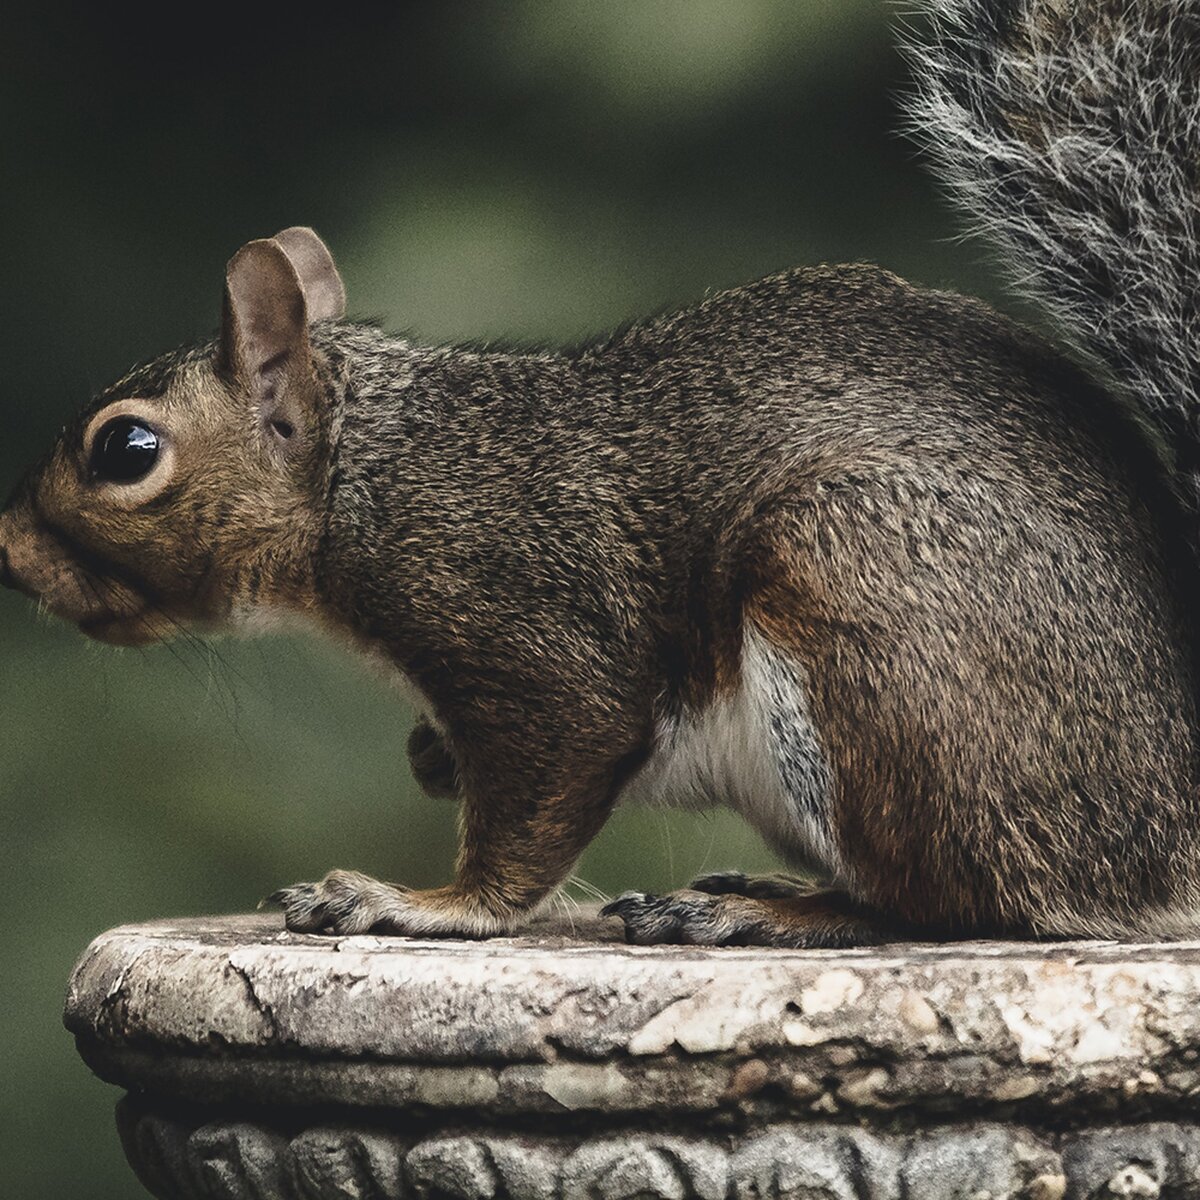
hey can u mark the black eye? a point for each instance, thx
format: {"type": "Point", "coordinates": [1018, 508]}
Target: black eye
{"type": "Point", "coordinates": [124, 450]}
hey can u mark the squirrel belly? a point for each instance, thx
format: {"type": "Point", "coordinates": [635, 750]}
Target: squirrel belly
{"type": "Point", "coordinates": [754, 750]}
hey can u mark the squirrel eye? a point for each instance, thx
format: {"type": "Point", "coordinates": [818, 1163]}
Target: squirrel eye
{"type": "Point", "coordinates": [124, 450]}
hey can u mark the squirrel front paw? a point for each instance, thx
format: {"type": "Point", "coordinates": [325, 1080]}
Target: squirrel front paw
{"type": "Point", "coordinates": [348, 902]}
{"type": "Point", "coordinates": [432, 764]}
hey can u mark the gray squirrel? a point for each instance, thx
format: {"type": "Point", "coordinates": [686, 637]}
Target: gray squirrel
{"type": "Point", "coordinates": [908, 587]}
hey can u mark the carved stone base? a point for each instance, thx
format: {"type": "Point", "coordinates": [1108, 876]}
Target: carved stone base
{"type": "Point", "coordinates": [565, 1064]}
{"type": "Point", "coordinates": [180, 1158]}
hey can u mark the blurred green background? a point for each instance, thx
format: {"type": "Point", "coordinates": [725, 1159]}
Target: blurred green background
{"type": "Point", "coordinates": [535, 170]}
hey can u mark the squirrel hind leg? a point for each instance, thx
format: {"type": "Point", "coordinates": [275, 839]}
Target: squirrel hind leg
{"type": "Point", "coordinates": [805, 920]}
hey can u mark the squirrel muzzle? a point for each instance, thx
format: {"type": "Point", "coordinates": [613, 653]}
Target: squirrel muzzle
{"type": "Point", "coordinates": [36, 562]}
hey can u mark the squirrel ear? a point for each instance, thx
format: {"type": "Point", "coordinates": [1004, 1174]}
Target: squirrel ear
{"type": "Point", "coordinates": [324, 291]}
{"type": "Point", "coordinates": [265, 322]}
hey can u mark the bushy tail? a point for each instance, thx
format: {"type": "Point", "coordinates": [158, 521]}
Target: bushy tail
{"type": "Point", "coordinates": [1070, 131]}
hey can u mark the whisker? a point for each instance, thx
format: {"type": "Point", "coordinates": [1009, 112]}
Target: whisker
{"type": "Point", "coordinates": [190, 640]}
{"type": "Point", "coordinates": [705, 862]}
{"type": "Point", "coordinates": [561, 902]}
{"type": "Point", "coordinates": [590, 890]}
{"type": "Point", "coordinates": [670, 849]}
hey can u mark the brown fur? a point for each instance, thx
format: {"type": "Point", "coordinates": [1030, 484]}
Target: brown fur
{"type": "Point", "coordinates": [972, 554]}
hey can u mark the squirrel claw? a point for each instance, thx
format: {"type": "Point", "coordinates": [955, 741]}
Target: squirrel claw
{"type": "Point", "coordinates": [304, 910]}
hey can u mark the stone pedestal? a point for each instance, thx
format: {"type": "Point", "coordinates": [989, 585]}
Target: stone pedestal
{"type": "Point", "coordinates": [565, 1064]}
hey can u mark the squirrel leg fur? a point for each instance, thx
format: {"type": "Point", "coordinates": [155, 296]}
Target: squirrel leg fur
{"type": "Point", "coordinates": [813, 920]}
{"type": "Point", "coordinates": [500, 879]}
{"type": "Point", "coordinates": [521, 833]}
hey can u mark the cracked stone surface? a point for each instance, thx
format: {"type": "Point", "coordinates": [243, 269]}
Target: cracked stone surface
{"type": "Point", "coordinates": [565, 1063]}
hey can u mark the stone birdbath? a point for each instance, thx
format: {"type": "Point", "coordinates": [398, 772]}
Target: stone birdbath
{"type": "Point", "coordinates": [565, 1064]}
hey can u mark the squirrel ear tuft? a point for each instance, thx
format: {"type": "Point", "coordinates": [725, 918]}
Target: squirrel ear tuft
{"type": "Point", "coordinates": [265, 322]}
{"type": "Point", "coordinates": [324, 291]}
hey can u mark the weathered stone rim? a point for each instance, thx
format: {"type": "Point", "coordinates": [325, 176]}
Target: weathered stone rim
{"type": "Point", "coordinates": [235, 1011]}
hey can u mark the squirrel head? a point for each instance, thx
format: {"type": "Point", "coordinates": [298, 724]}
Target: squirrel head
{"type": "Point", "coordinates": [191, 493]}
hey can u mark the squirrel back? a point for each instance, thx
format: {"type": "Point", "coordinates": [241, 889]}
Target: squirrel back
{"type": "Point", "coordinates": [1070, 135]}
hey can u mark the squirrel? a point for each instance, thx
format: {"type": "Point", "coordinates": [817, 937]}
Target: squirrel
{"type": "Point", "coordinates": [902, 582]}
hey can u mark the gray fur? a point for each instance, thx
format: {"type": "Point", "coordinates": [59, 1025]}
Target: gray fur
{"type": "Point", "coordinates": [1070, 133]}
{"type": "Point", "coordinates": [803, 766]}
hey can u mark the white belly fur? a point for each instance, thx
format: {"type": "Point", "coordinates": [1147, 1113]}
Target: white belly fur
{"type": "Point", "coordinates": [755, 751]}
